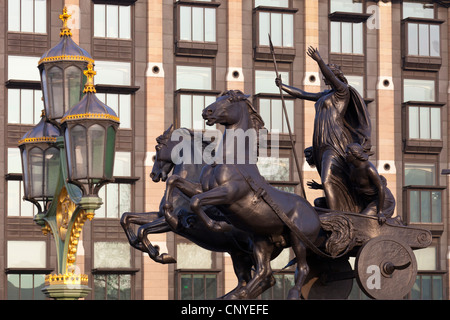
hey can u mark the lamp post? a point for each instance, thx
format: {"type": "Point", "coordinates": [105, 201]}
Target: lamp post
{"type": "Point", "coordinates": [67, 157]}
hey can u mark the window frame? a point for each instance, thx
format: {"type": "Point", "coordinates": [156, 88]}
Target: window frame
{"type": "Point", "coordinates": [7, 26]}
{"type": "Point", "coordinates": [183, 47]}
{"type": "Point", "coordinates": [192, 272]}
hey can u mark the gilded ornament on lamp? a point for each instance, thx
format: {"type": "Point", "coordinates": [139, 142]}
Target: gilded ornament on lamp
{"type": "Point", "coordinates": [65, 31]}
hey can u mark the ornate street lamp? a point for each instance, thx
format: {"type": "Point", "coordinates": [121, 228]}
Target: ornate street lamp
{"type": "Point", "coordinates": [90, 137]}
{"type": "Point", "coordinates": [40, 163]}
{"type": "Point", "coordinates": [61, 70]}
{"type": "Point", "coordinates": [67, 157]}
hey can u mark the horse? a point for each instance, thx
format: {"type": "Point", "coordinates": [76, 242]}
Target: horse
{"type": "Point", "coordinates": [236, 243]}
{"type": "Point", "coordinates": [247, 200]}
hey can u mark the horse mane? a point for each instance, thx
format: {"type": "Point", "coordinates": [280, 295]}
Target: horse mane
{"type": "Point", "coordinates": [255, 118]}
{"type": "Point", "coordinates": [165, 137]}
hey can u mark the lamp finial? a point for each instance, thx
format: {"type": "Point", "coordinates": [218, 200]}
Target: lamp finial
{"type": "Point", "coordinates": [89, 73]}
{"type": "Point", "coordinates": [65, 31]}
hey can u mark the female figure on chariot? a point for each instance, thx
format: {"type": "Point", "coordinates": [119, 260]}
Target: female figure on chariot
{"type": "Point", "coordinates": [341, 118]}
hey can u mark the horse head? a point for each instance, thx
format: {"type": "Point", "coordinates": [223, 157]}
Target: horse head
{"type": "Point", "coordinates": [230, 108]}
{"type": "Point", "coordinates": [163, 163]}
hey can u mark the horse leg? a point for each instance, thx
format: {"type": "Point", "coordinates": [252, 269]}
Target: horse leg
{"type": "Point", "coordinates": [302, 267]}
{"type": "Point", "coordinates": [129, 218]}
{"type": "Point", "coordinates": [224, 194]}
{"type": "Point", "coordinates": [186, 187]}
{"type": "Point", "coordinates": [242, 265]}
{"type": "Point", "coordinates": [263, 278]}
{"type": "Point", "coordinates": [157, 226]}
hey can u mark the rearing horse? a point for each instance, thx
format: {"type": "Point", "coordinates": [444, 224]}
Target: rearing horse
{"type": "Point", "coordinates": [240, 192]}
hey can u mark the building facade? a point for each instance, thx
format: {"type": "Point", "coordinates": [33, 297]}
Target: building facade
{"type": "Point", "coordinates": [160, 62]}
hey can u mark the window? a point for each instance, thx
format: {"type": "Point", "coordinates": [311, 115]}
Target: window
{"type": "Point", "coordinates": [112, 21]}
{"type": "Point", "coordinates": [190, 77]}
{"type": "Point", "coordinates": [274, 169]}
{"type": "Point", "coordinates": [423, 39]}
{"type": "Point", "coordinates": [113, 275]}
{"type": "Point", "coordinates": [418, 90]}
{"type": "Point", "coordinates": [197, 24]}
{"type": "Point", "coordinates": [113, 73]}
{"type": "Point", "coordinates": [424, 122]}
{"type": "Point", "coordinates": [121, 104]}
{"type": "Point", "coordinates": [346, 6]}
{"type": "Point", "coordinates": [272, 3]}
{"type": "Point", "coordinates": [26, 263]}
{"type": "Point", "coordinates": [346, 37]}
{"type": "Point", "coordinates": [280, 26]}
{"type": "Point", "coordinates": [356, 82]}
{"type": "Point", "coordinates": [20, 67]}
{"type": "Point", "coordinates": [191, 107]}
{"type": "Point", "coordinates": [429, 282]}
{"type": "Point", "coordinates": [265, 81]}
{"type": "Point", "coordinates": [418, 10]}
{"type": "Point", "coordinates": [198, 286]}
{"type": "Point", "coordinates": [272, 112]}
{"type": "Point", "coordinates": [423, 195]}
{"type": "Point", "coordinates": [24, 106]}
{"type": "Point", "coordinates": [27, 16]}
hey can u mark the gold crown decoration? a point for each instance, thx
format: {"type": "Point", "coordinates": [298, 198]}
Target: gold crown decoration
{"type": "Point", "coordinates": [65, 31]}
{"type": "Point", "coordinates": [66, 279]}
{"type": "Point", "coordinates": [89, 73]}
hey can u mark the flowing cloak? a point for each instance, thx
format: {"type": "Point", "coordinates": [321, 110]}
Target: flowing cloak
{"type": "Point", "coordinates": [333, 132]}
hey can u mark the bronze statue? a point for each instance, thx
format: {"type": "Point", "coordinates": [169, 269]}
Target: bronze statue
{"type": "Point", "coordinates": [236, 242]}
{"type": "Point", "coordinates": [273, 217]}
{"type": "Point", "coordinates": [341, 118]}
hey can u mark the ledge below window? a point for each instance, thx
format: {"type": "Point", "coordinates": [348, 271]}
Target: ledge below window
{"type": "Point", "coordinates": [196, 49]}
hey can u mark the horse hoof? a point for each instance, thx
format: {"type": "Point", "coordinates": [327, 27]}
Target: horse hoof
{"type": "Point", "coordinates": [165, 259]}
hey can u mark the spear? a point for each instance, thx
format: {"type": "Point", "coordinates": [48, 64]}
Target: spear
{"type": "Point", "coordinates": [287, 120]}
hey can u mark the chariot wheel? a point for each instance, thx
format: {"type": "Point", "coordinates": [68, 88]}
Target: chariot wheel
{"type": "Point", "coordinates": [386, 268]}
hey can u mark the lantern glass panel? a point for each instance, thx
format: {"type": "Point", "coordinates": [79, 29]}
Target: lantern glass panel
{"type": "Point", "coordinates": [36, 167]}
{"type": "Point", "coordinates": [110, 150]}
{"type": "Point", "coordinates": [25, 170]}
{"type": "Point", "coordinates": [55, 94]}
{"type": "Point", "coordinates": [73, 78]}
{"type": "Point", "coordinates": [78, 150]}
{"type": "Point", "coordinates": [96, 136]}
{"type": "Point", "coordinates": [51, 170]}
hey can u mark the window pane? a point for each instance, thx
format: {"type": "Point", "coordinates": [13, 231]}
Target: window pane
{"type": "Point", "coordinates": [413, 122]}
{"type": "Point", "coordinates": [275, 29]}
{"type": "Point", "coordinates": [272, 3]}
{"type": "Point", "coordinates": [418, 10]}
{"type": "Point", "coordinates": [199, 287]}
{"type": "Point", "coordinates": [101, 212]}
{"type": "Point", "coordinates": [356, 82]}
{"type": "Point", "coordinates": [20, 67]}
{"type": "Point", "coordinates": [112, 72]}
{"type": "Point", "coordinates": [112, 255]}
{"type": "Point", "coordinates": [436, 206]}
{"type": "Point", "coordinates": [26, 21]}
{"type": "Point", "coordinates": [414, 206]}
{"type": "Point", "coordinates": [26, 287]}
{"type": "Point", "coordinates": [122, 164]}
{"type": "Point", "coordinates": [13, 286]}
{"type": "Point", "coordinates": [198, 104]}
{"type": "Point", "coordinates": [290, 114]}
{"type": "Point", "coordinates": [264, 111]}
{"type": "Point", "coordinates": [335, 36]}
{"type": "Point", "coordinates": [191, 256]}
{"type": "Point", "coordinates": [13, 105]}
{"type": "Point", "coordinates": [347, 37]}
{"type": "Point", "coordinates": [185, 111]}
{"type": "Point", "coordinates": [265, 81]}
{"type": "Point", "coordinates": [185, 23]}
{"type": "Point", "coordinates": [26, 254]}
{"type": "Point", "coordinates": [124, 22]}
{"type": "Point", "coordinates": [420, 174]}
{"type": "Point", "coordinates": [14, 200]}
{"type": "Point", "coordinates": [100, 286]}
{"type": "Point", "coordinates": [186, 287]}
{"type": "Point", "coordinates": [197, 24]}
{"type": "Point", "coordinates": [210, 25]}
{"type": "Point", "coordinates": [125, 111]}
{"type": "Point", "coordinates": [277, 114]}
{"type": "Point", "coordinates": [274, 169]}
{"type": "Point", "coordinates": [425, 206]}
{"type": "Point", "coordinates": [125, 286]}
{"type": "Point", "coordinates": [435, 124]}
{"type": "Point", "coordinates": [38, 105]}
{"type": "Point", "coordinates": [13, 15]}
{"type": "Point", "coordinates": [264, 28]}
{"type": "Point", "coordinates": [14, 160]}
{"type": "Point", "coordinates": [437, 287]}
{"type": "Point", "coordinates": [99, 20]}
{"type": "Point", "coordinates": [413, 38]}
{"type": "Point", "coordinates": [112, 21]}
{"type": "Point", "coordinates": [424, 114]}
{"type": "Point", "coordinates": [435, 47]}
{"type": "Point", "coordinates": [424, 40]}
{"type": "Point", "coordinates": [288, 30]}
{"type": "Point", "coordinates": [346, 6]}
{"type": "Point", "coordinates": [210, 286]}
{"type": "Point", "coordinates": [418, 90]}
{"type": "Point", "coordinates": [125, 198]}
{"type": "Point", "coordinates": [194, 77]}
{"type": "Point", "coordinates": [358, 38]}
{"type": "Point", "coordinates": [40, 16]}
